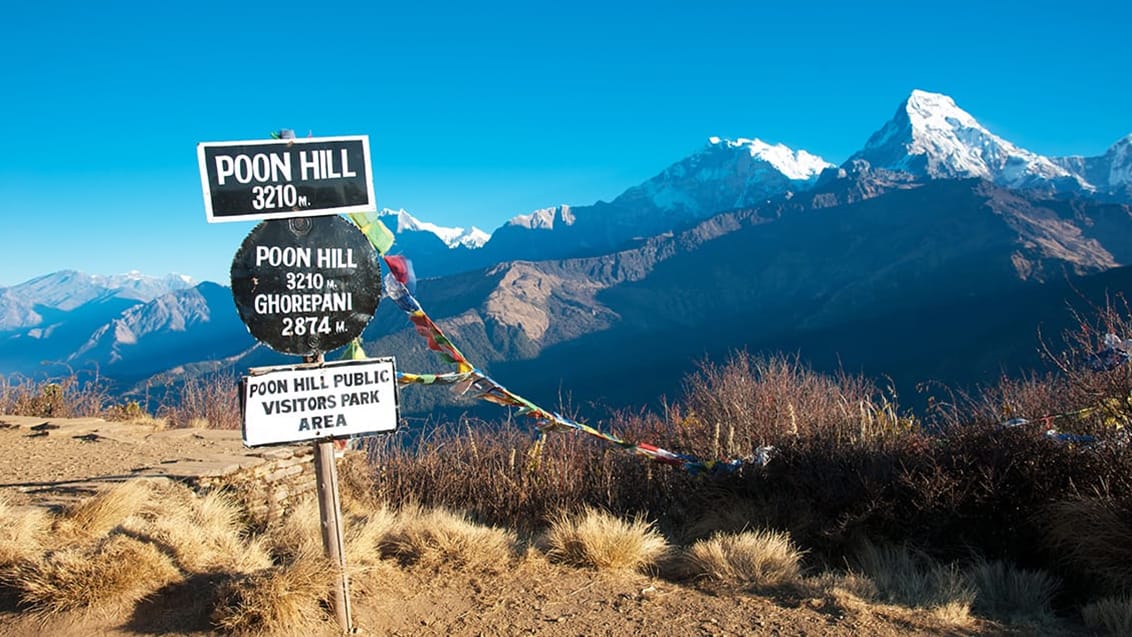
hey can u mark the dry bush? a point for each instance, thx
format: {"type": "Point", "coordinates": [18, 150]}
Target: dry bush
{"type": "Point", "coordinates": [1082, 397]}
{"type": "Point", "coordinates": [1109, 391]}
{"type": "Point", "coordinates": [206, 402]}
{"type": "Point", "coordinates": [755, 559]}
{"type": "Point", "coordinates": [1012, 594]}
{"type": "Point", "coordinates": [202, 533]}
{"type": "Point", "coordinates": [67, 397]}
{"type": "Point", "coordinates": [288, 597]}
{"type": "Point", "coordinates": [750, 401]}
{"type": "Point", "coordinates": [1110, 615]}
{"type": "Point", "coordinates": [508, 477]}
{"type": "Point", "coordinates": [910, 578]}
{"type": "Point", "coordinates": [1093, 537]}
{"type": "Point", "coordinates": [440, 539]}
{"type": "Point", "coordinates": [596, 539]}
{"type": "Point", "coordinates": [112, 573]}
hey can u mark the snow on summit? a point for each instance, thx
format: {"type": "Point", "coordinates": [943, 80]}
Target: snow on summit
{"type": "Point", "coordinates": [796, 165]}
{"type": "Point", "coordinates": [452, 237]}
{"type": "Point", "coordinates": [931, 136]}
{"type": "Point", "coordinates": [725, 175]}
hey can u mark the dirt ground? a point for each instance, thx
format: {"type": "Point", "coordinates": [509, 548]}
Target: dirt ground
{"type": "Point", "coordinates": [528, 597]}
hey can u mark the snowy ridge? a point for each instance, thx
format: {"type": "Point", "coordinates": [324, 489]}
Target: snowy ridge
{"type": "Point", "coordinates": [796, 165]}
{"type": "Point", "coordinates": [452, 237]}
{"type": "Point", "coordinates": [1110, 171]}
{"type": "Point", "coordinates": [22, 306]}
{"type": "Point", "coordinates": [930, 136]}
{"type": "Point", "coordinates": [544, 218]}
{"type": "Point", "coordinates": [724, 175]}
{"type": "Point", "coordinates": [68, 289]}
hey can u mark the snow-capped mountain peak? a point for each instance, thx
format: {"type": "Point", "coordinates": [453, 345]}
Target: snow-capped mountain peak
{"type": "Point", "coordinates": [930, 136]}
{"type": "Point", "coordinates": [796, 165]}
{"type": "Point", "coordinates": [472, 237]}
{"type": "Point", "coordinates": [723, 175]}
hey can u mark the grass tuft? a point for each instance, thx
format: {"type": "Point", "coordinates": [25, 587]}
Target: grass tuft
{"type": "Point", "coordinates": [1110, 615]}
{"type": "Point", "coordinates": [95, 517]}
{"type": "Point", "coordinates": [284, 597]}
{"type": "Point", "coordinates": [596, 539]}
{"type": "Point", "coordinates": [1012, 594]}
{"type": "Point", "coordinates": [440, 539]}
{"type": "Point", "coordinates": [112, 573]}
{"type": "Point", "coordinates": [22, 532]}
{"type": "Point", "coordinates": [755, 559]}
{"type": "Point", "coordinates": [909, 578]}
{"type": "Point", "coordinates": [202, 533]}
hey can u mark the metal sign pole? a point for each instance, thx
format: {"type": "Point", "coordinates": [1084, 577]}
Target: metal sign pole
{"type": "Point", "coordinates": [330, 514]}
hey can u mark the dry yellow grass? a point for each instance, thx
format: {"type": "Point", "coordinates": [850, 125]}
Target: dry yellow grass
{"type": "Point", "coordinates": [1111, 615]}
{"type": "Point", "coordinates": [1012, 594]}
{"type": "Point", "coordinates": [756, 559]}
{"type": "Point", "coordinates": [96, 516]}
{"type": "Point", "coordinates": [439, 539]}
{"type": "Point", "coordinates": [22, 532]}
{"type": "Point", "coordinates": [281, 598]}
{"type": "Point", "coordinates": [596, 539]}
{"type": "Point", "coordinates": [909, 578]}
{"type": "Point", "coordinates": [202, 533]}
{"type": "Point", "coordinates": [112, 573]}
{"type": "Point", "coordinates": [297, 533]}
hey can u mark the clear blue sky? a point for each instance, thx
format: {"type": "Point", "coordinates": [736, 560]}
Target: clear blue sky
{"type": "Point", "coordinates": [477, 112]}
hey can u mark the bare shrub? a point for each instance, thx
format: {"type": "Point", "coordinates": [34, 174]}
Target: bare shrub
{"type": "Point", "coordinates": [751, 401]}
{"type": "Point", "coordinates": [67, 397]}
{"type": "Point", "coordinates": [1110, 615]}
{"type": "Point", "coordinates": [112, 573]}
{"type": "Point", "coordinates": [507, 476]}
{"type": "Point", "coordinates": [441, 539]}
{"type": "Point", "coordinates": [596, 539]}
{"type": "Point", "coordinates": [1009, 593]}
{"type": "Point", "coordinates": [756, 559]}
{"type": "Point", "coordinates": [206, 402]}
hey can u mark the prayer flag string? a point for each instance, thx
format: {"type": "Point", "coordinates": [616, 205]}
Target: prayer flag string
{"type": "Point", "coordinates": [469, 380]}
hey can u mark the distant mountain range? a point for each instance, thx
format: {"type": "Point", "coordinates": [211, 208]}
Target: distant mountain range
{"type": "Point", "coordinates": [933, 253]}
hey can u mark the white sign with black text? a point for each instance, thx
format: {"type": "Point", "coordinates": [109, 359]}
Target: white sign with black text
{"type": "Point", "coordinates": [291, 403]}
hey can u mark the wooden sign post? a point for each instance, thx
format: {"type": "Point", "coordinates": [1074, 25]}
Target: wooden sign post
{"type": "Point", "coordinates": [330, 518]}
{"type": "Point", "coordinates": [305, 282]}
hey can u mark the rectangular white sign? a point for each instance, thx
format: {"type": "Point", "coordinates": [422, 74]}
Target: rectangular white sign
{"type": "Point", "coordinates": [291, 403]}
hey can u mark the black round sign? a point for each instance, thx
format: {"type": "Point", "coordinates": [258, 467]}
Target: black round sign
{"type": "Point", "coordinates": [306, 285]}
